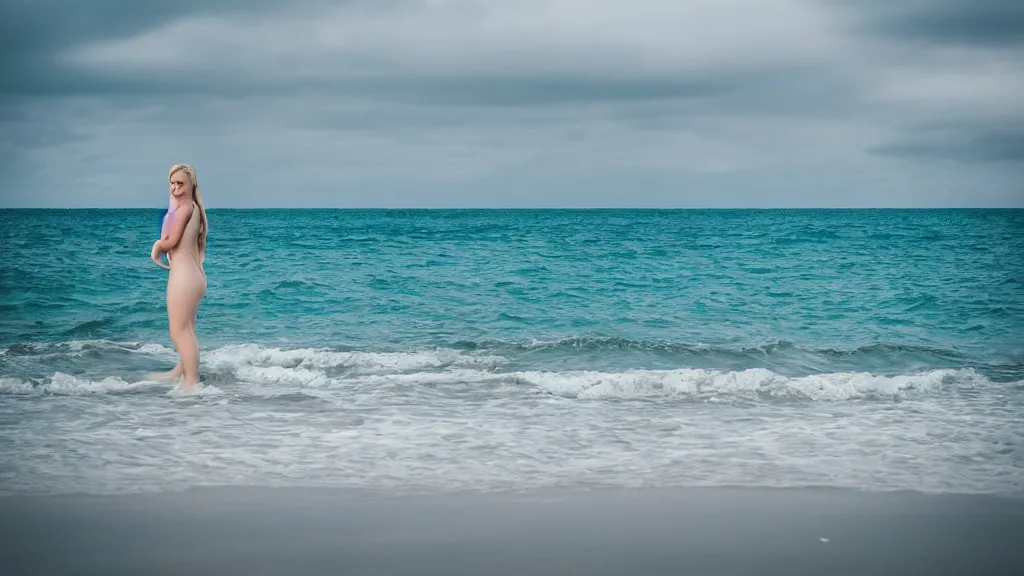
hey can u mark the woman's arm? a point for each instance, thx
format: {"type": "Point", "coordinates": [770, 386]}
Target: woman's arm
{"type": "Point", "coordinates": [155, 256]}
{"type": "Point", "coordinates": [172, 234]}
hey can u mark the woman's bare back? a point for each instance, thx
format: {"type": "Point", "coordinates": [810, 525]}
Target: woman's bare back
{"type": "Point", "coordinates": [186, 252]}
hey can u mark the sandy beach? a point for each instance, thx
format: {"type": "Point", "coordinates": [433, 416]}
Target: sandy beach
{"type": "Point", "coordinates": [620, 531]}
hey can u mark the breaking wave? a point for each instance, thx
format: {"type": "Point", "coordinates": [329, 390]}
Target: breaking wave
{"type": "Point", "coordinates": [253, 369]}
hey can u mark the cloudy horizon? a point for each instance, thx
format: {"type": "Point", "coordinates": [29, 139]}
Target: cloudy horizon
{"type": "Point", "coordinates": [538, 103]}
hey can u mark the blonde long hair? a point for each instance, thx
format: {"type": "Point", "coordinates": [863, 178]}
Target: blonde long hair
{"type": "Point", "coordinates": [203, 227]}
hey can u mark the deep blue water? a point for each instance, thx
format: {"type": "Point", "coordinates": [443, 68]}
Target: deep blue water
{"type": "Point", "coordinates": [630, 340]}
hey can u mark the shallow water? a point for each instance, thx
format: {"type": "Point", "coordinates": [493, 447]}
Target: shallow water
{"type": "Point", "coordinates": [421, 350]}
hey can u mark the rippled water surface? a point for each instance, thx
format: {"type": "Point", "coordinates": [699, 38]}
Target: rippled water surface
{"type": "Point", "coordinates": [422, 350]}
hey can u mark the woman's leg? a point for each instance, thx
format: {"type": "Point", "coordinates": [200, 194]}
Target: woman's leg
{"type": "Point", "coordinates": [188, 348]}
{"type": "Point", "coordinates": [182, 306]}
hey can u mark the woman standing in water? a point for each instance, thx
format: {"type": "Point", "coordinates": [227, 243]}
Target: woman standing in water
{"type": "Point", "coordinates": [183, 238]}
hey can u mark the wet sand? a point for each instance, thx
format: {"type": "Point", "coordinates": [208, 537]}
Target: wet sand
{"type": "Point", "coordinates": [621, 531]}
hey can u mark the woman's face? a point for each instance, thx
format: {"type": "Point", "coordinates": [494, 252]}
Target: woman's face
{"type": "Point", "coordinates": [181, 185]}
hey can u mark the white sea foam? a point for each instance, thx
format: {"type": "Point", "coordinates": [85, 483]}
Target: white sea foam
{"type": "Point", "coordinates": [367, 362]}
{"type": "Point", "coordinates": [447, 377]}
{"type": "Point", "coordinates": [154, 349]}
{"type": "Point", "coordinates": [200, 390]}
{"type": "Point", "coordinates": [75, 348]}
{"type": "Point", "coordinates": [687, 382]}
{"type": "Point", "coordinates": [280, 375]}
{"type": "Point", "coordinates": [15, 386]}
{"type": "Point", "coordinates": [590, 385]}
{"type": "Point", "coordinates": [443, 430]}
{"type": "Point", "coordinates": [309, 367]}
{"type": "Point", "coordinates": [61, 384]}
{"type": "Point", "coordinates": [699, 382]}
{"type": "Point", "coordinates": [443, 419]}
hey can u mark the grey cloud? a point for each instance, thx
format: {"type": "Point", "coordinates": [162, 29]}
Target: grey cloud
{"type": "Point", "coordinates": [594, 119]}
{"type": "Point", "coordinates": [527, 91]}
{"type": "Point", "coordinates": [45, 26]}
{"type": "Point", "coordinates": [504, 90]}
{"type": "Point", "coordinates": [979, 22]}
{"type": "Point", "coordinates": [38, 134]}
{"type": "Point", "coordinates": [41, 36]}
{"type": "Point", "coordinates": [998, 147]}
{"type": "Point", "coordinates": [33, 33]}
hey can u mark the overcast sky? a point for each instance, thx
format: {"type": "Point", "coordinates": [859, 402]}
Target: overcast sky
{"type": "Point", "coordinates": [525, 103]}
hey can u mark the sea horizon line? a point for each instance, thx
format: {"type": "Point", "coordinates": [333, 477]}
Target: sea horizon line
{"type": "Point", "coordinates": [527, 208]}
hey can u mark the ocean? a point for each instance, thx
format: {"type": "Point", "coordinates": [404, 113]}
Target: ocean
{"type": "Point", "coordinates": [446, 350]}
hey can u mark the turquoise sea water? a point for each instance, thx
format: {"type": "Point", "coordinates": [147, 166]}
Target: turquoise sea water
{"type": "Point", "coordinates": [438, 349]}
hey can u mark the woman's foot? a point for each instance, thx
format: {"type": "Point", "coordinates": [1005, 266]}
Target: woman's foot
{"type": "Point", "coordinates": [187, 384]}
{"type": "Point", "coordinates": [169, 376]}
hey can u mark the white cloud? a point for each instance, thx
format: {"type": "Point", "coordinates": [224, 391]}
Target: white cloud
{"type": "Point", "coordinates": [989, 84]}
{"type": "Point", "coordinates": [529, 37]}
